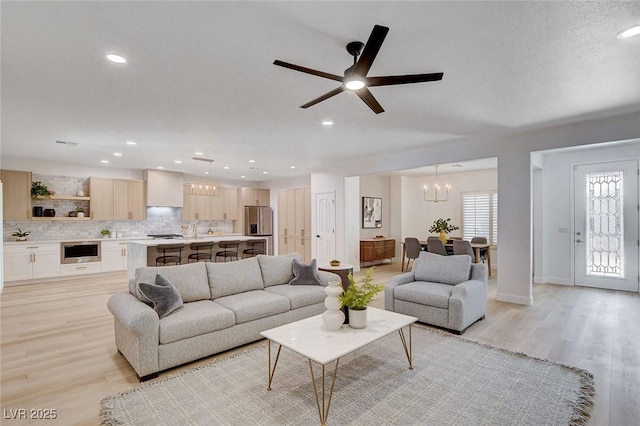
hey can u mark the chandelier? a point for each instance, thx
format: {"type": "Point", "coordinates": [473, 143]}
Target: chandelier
{"type": "Point", "coordinates": [436, 195]}
{"type": "Point", "coordinates": [196, 187]}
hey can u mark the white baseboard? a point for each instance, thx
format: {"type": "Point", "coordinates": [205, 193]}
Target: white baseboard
{"type": "Point", "coordinates": [520, 300]}
{"type": "Point", "coordinates": [556, 280]}
{"type": "Point", "coordinates": [539, 280]}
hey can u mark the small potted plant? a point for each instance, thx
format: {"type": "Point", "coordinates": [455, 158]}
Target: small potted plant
{"type": "Point", "coordinates": [358, 296]}
{"type": "Point", "coordinates": [106, 233]}
{"type": "Point", "coordinates": [79, 212]}
{"type": "Point", "coordinates": [21, 235]}
{"type": "Point", "coordinates": [443, 227]}
{"type": "Point", "coordinates": [40, 190]}
{"type": "Point", "coordinates": [334, 262]}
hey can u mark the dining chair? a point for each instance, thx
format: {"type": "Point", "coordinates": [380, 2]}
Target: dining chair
{"type": "Point", "coordinates": [434, 245]}
{"type": "Point", "coordinates": [483, 252]}
{"type": "Point", "coordinates": [412, 248]}
{"type": "Point", "coordinates": [464, 247]}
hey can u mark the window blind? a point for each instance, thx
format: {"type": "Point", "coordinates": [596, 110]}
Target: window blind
{"type": "Point", "coordinates": [480, 215]}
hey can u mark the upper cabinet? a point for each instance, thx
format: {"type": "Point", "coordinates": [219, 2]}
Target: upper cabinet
{"type": "Point", "coordinates": [211, 207]}
{"type": "Point", "coordinates": [254, 197]}
{"type": "Point", "coordinates": [117, 199]}
{"type": "Point", "coordinates": [16, 194]}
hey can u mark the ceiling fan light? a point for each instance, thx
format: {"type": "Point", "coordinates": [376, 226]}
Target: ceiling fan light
{"type": "Point", "coordinates": [629, 32]}
{"type": "Point", "coordinates": [353, 83]}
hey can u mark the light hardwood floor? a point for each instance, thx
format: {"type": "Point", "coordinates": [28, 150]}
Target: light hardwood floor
{"type": "Point", "coordinates": [57, 348]}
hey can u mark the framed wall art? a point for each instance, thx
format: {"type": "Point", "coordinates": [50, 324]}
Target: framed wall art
{"type": "Point", "coordinates": [371, 212]}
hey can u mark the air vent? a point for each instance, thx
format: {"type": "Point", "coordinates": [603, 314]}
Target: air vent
{"type": "Point", "coordinates": [67, 143]}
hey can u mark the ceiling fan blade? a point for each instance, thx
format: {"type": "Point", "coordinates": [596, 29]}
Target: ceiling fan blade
{"type": "Point", "coordinates": [323, 97]}
{"type": "Point", "coordinates": [368, 99]}
{"type": "Point", "coordinates": [403, 79]}
{"type": "Point", "coordinates": [371, 50]}
{"type": "Point", "coordinates": [308, 70]}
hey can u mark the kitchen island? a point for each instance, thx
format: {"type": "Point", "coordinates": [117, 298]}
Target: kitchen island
{"type": "Point", "coordinates": [143, 252]}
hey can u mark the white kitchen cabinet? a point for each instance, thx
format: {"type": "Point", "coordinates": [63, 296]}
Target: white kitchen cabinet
{"type": "Point", "coordinates": [27, 261]}
{"type": "Point", "coordinates": [114, 256]}
{"type": "Point", "coordinates": [80, 268]}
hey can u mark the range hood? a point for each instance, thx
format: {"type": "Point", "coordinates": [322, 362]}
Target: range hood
{"type": "Point", "coordinates": [164, 189]}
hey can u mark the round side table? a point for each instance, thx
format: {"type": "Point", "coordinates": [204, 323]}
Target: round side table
{"type": "Point", "coordinates": [343, 269]}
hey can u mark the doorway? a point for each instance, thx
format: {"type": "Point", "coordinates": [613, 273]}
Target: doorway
{"type": "Point", "coordinates": [325, 227]}
{"type": "Point", "coordinates": [606, 225]}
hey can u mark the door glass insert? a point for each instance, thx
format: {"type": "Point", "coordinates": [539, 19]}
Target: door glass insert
{"type": "Point", "coordinates": [605, 226]}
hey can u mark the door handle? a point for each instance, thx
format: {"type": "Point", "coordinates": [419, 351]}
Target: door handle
{"type": "Point", "coordinates": [579, 241]}
{"type": "Point", "coordinates": [317, 236]}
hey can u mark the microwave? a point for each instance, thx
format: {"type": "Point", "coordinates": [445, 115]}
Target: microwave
{"type": "Point", "coordinates": [80, 252]}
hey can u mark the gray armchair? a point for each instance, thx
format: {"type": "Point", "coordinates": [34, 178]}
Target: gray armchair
{"type": "Point", "coordinates": [445, 291]}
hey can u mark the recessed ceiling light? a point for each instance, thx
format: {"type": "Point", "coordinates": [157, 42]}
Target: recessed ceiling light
{"type": "Point", "coordinates": [243, 176]}
{"type": "Point", "coordinates": [177, 161]}
{"type": "Point", "coordinates": [456, 165]}
{"type": "Point", "coordinates": [292, 167]}
{"type": "Point", "coordinates": [199, 153]}
{"type": "Point", "coordinates": [117, 154]}
{"type": "Point", "coordinates": [265, 172]}
{"type": "Point", "coordinates": [116, 58]}
{"type": "Point", "coordinates": [206, 173]}
{"type": "Point", "coordinates": [226, 167]}
{"type": "Point", "coordinates": [629, 32]}
{"type": "Point", "coordinates": [104, 161]}
{"type": "Point", "coordinates": [252, 161]}
{"type": "Point", "coordinates": [327, 123]}
{"type": "Point", "coordinates": [160, 167]}
{"type": "Point", "coordinates": [131, 143]}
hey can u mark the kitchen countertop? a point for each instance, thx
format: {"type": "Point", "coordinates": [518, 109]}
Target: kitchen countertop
{"type": "Point", "coordinates": [70, 240]}
{"type": "Point", "coordinates": [200, 239]}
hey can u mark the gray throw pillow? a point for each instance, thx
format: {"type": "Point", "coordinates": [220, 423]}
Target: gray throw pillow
{"type": "Point", "coordinates": [305, 274]}
{"type": "Point", "coordinates": [163, 296]}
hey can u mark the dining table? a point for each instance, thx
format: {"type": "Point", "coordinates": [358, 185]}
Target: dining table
{"type": "Point", "coordinates": [477, 248]}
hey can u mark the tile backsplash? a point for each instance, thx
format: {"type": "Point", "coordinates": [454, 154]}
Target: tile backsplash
{"type": "Point", "coordinates": [160, 220]}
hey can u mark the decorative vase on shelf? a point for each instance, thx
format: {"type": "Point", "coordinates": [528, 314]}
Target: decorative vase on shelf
{"type": "Point", "coordinates": [333, 317]}
{"type": "Point", "coordinates": [358, 318]}
{"type": "Point", "coordinates": [443, 237]}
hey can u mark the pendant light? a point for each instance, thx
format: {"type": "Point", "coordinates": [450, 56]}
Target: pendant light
{"type": "Point", "coordinates": [436, 196]}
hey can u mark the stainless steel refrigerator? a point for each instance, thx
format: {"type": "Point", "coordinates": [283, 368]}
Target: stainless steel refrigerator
{"type": "Point", "coordinates": [258, 222]}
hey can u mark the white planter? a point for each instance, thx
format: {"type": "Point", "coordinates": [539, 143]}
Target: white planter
{"type": "Point", "coordinates": [357, 318]}
{"type": "Point", "coordinates": [80, 214]}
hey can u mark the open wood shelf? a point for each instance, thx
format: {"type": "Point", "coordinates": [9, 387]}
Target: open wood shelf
{"type": "Point", "coordinates": [64, 197]}
{"type": "Point", "coordinates": [61, 218]}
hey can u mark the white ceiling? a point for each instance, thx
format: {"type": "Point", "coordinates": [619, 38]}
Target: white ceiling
{"type": "Point", "coordinates": [200, 77]}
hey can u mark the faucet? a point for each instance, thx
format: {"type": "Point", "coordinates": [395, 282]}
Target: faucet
{"type": "Point", "coordinates": [195, 230]}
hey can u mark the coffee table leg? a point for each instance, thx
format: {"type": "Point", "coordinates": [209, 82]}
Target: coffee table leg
{"type": "Point", "coordinates": [407, 350]}
{"type": "Point", "coordinates": [324, 411]}
{"type": "Point", "coordinates": [272, 371]}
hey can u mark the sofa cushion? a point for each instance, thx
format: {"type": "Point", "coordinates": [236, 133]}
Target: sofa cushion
{"type": "Point", "coordinates": [442, 269]}
{"type": "Point", "coordinates": [299, 295]}
{"type": "Point", "coordinates": [277, 270]}
{"type": "Point", "coordinates": [190, 280]}
{"type": "Point", "coordinates": [425, 293]}
{"type": "Point", "coordinates": [195, 319]}
{"type": "Point", "coordinates": [253, 305]}
{"type": "Point", "coordinates": [226, 278]}
{"type": "Point", "coordinates": [162, 295]}
{"type": "Point", "coordinates": [305, 274]}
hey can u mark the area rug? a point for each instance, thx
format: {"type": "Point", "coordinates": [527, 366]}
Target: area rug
{"type": "Point", "coordinates": [455, 381]}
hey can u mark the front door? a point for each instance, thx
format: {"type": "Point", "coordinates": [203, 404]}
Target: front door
{"type": "Point", "coordinates": [325, 227]}
{"type": "Point", "coordinates": [606, 225]}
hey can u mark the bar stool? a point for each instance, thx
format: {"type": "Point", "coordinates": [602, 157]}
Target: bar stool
{"type": "Point", "coordinates": [254, 248]}
{"type": "Point", "coordinates": [203, 252]}
{"type": "Point", "coordinates": [229, 249]}
{"type": "Point", "coordinates": [169, 258]}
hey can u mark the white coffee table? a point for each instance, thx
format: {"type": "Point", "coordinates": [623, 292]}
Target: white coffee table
{"type": "Point", "coordinates": [310, 338]}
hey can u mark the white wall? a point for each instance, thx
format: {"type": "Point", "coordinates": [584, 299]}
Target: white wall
{"type": "Point", "coordinates": [557, 213]}
{"type": "Point", "coordinates": [380, 187]}
{"type": "Point", "coordinates": [514, 182]}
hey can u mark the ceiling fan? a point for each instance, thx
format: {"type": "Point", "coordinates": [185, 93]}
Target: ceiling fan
{"type": "Point", "coordinates": [355, 77]}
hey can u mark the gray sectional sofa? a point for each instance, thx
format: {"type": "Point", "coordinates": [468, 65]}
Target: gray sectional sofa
{"type": "Point", "coordinates": [445, 291]}
{"type": "Point", "coordinates": [225, 305]}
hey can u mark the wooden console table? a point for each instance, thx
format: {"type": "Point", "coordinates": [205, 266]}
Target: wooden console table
{"type": "Point", "coordinates": [377, 249]}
